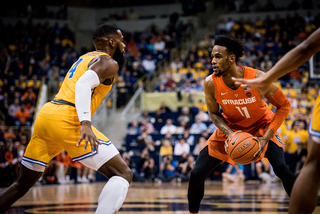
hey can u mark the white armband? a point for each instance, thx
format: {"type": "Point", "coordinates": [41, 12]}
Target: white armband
{"type": "Point", "coordinates": [86, 82]}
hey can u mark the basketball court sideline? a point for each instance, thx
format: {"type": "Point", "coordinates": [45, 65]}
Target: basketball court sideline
{"type": "Point", "coordinates": [150, 198]}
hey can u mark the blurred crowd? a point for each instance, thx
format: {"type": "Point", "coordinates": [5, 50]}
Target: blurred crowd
{"type": "Point", "coordinates": [161, 145]}
{"type": "Point", "coordinates": [35, 53]}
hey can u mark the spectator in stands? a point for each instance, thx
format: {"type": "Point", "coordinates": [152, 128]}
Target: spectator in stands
{"type": "Point", "coordinates": [166, 148]}
{"type": "Point", "coordinates": [22, 116]}
{"type": "Point", "coordinates": [134, 129]}
{"type": "Point", "coordinates": [122, 91]}
{"type": "Point", "coordinates": [266, 64]}
{"type": "Point", "coordinates": [137, 70]}
{"type": "Point", "coordinates": [288, 89]}
{"type": "Point", "coordinates": [128, 78]}
{"type": "Point", "coordinates": [299, 158]}
{"type": "Point", "coordinates": [198, 126]}
{"type": "Point", "coordinates": [203, 116]}
{"type": "Point", "coordinates": [159, 118]}
{"type": "Point", "coordinates": [167, 169]}
{"type": "Point", "coordinates": [265, 171]}
{"type": "Point", "coordinates": [164, 108]}
{"type": "Point", "coordinates": [211, 128]}
{"type": "Point", "coordinates": [199, 146]}
{"type": "Point", "coordinates": [295, 136]}
{"type": "Point", "coordinates": [176, 64]}
{"type": "Point", "coordinates": [181, 147]}
{"type": "Point", "coordinates": [149, 170]}
{"type": "Point", "coordinates": [13, 108]}
{"type": "Point", "coordinates": [144, 138]}
{"type": "Point", "coordinates": [181, 127]}
{"type": "Point", "coordinates": [149, 65]}
{"type": "Point", "coordinates": [233, 174]}
{"type": "Point", "coordinates": [28, 93]}
{"type": "Point", "coordinates": [184, 168]}
{"type": "Point", "coordinates": [146, 126]}
{"type": "Point", "coordinates": [185, 115]}
{"type": "Point", "coordinates": [190, 139]}
{"type": "Point", "coordinates": [172, 139]}
{"type": "Point", "coordinates": [145, 115]}
{"type": "Point", "coordinates": [168, 127]}
{"type": "Point", "coordinates": [201, 106]}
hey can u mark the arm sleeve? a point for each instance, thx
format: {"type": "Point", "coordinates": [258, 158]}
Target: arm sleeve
{"type": "Point", "coordinates": [283, 109]}
{"type": "Point", "coordinates": [84, 85]}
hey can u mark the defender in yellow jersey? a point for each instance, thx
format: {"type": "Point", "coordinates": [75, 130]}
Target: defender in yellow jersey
{"type": "Point", "coordinates": [65, 124]}
{"type": "Point", "coordinates": [305, 189]}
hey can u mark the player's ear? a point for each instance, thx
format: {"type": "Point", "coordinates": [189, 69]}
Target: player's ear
{"type": "Point", "coordinates": [232, 58]}
{"type": "Point", "coordinates": [112, 43]}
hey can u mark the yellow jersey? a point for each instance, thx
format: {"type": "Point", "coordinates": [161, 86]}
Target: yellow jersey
{"type": "Point", "coordinates": [67, 89]}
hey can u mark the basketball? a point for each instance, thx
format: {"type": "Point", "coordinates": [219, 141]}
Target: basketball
{"type": "Point", "coordinates": [241, 148]}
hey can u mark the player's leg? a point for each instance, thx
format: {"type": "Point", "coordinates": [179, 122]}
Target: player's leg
{"type": "Point", "coordinates": [275, 156]}
{"type": "Point", "coordinates": [203, 166]}
{"type": "Point", "coordinates": [109, 163]}
{"type": "Point", "coordinates": [305, 190]}
{"type": "Point", "coordinates": [26, 179]}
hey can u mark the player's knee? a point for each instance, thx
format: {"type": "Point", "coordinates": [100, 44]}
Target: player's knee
{"type": "Point", "coordinates": [127, 174]}
{"type": "Point", "coordinates": [279, 168]}
{"type": "Point", "coordinates": [196, 176]}
{"type": "Point", "coordinates": [21, 187]}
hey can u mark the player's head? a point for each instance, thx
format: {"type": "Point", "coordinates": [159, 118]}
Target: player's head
{"type": "Point", "coordinates": [225, 53]}
{"type": "Point", "coordinates": [109, 38]}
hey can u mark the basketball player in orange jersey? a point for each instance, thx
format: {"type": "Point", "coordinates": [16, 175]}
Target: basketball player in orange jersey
{"type": "Point", "coordinates": [242, 110]}
{"type": "Point", "coordinates": [305, 190]}
{"type": "Point", "coordinates": [65, 123]}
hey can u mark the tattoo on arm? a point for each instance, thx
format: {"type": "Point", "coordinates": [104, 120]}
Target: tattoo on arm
{"type": "Point", "coordinates": [221, 123]}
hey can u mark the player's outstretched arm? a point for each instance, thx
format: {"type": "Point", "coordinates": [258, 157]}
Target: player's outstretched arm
{"type": "Point", "coordinates": [290, 61]}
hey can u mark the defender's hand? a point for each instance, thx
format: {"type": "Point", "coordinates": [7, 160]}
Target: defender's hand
{"type": "Point", "coordinates": [87, 134]}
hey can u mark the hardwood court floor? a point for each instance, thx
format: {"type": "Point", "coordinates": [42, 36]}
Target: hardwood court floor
{"type": "Point", "coordinates": [149, 198]}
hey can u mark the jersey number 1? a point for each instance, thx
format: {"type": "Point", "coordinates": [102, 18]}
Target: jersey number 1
{"type": "Point", "coordinates": [245, 112]}
{"type": "Point", "coordinates": [74, 67]}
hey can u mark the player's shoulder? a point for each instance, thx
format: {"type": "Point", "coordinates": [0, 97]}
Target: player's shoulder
{"type": "Point", "coordinates": [208, 85]}
{"type": "Point", "coordinates": [106, 61]}
{"type": "Point", "coordinates": [259, 73]}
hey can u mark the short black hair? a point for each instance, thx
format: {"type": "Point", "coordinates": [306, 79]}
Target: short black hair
{"type": "Point", "coordinates": [233, 45]}
{"type": "Point", "coordinates": [104, 30]}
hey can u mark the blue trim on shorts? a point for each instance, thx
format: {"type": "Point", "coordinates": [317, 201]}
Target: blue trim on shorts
{"type": "Point", "coordinates": [91, 154]}
{"type": "Point", "coordinates": [34, 161]}
{"type": "Point", "coordinates": [313, 132]}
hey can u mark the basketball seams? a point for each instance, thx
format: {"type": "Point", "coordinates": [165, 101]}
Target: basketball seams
{"type": "Point", "coordinates": [247, 151]}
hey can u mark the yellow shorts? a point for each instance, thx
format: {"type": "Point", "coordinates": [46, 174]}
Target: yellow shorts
{"type": "Point", "coordinates": [314, 127]}
{"type": "Point", "coordinates": [56, 129]}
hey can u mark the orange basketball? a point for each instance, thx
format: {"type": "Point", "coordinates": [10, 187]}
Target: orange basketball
{"type": "Point", "coordinates": [241, 148]}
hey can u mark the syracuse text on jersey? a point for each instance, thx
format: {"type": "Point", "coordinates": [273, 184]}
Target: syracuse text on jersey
{"type": "Point", "coordinates": [239, 101]}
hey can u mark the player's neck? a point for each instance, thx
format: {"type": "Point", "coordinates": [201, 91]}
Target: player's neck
{"type": "Point", "coordinates": [104, 51]}
{"type": "Point", "coordinates": [236, 72]}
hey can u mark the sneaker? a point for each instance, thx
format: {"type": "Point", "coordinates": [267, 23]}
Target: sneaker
{"type": "Point", "coordinates": [157, 181]}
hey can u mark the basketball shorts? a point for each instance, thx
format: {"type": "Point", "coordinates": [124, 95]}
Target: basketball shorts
{"type": "Point", "coordinates": [56, 129]}
{"type": "Point", "coordinates": [217, 140]}
{"type": "Point", "coordinates": [314, 126]}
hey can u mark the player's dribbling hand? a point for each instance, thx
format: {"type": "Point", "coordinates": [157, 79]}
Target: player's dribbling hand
{"type": "Point", "coordinates": [262, 143]}
{"type": "Point", "coordinates": [226, 142]}
{"type": "Point", "coordinates": [88, 135]}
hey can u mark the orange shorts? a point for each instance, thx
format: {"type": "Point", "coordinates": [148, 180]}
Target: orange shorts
{"type": "Point", "coordinates": [216, 141]}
